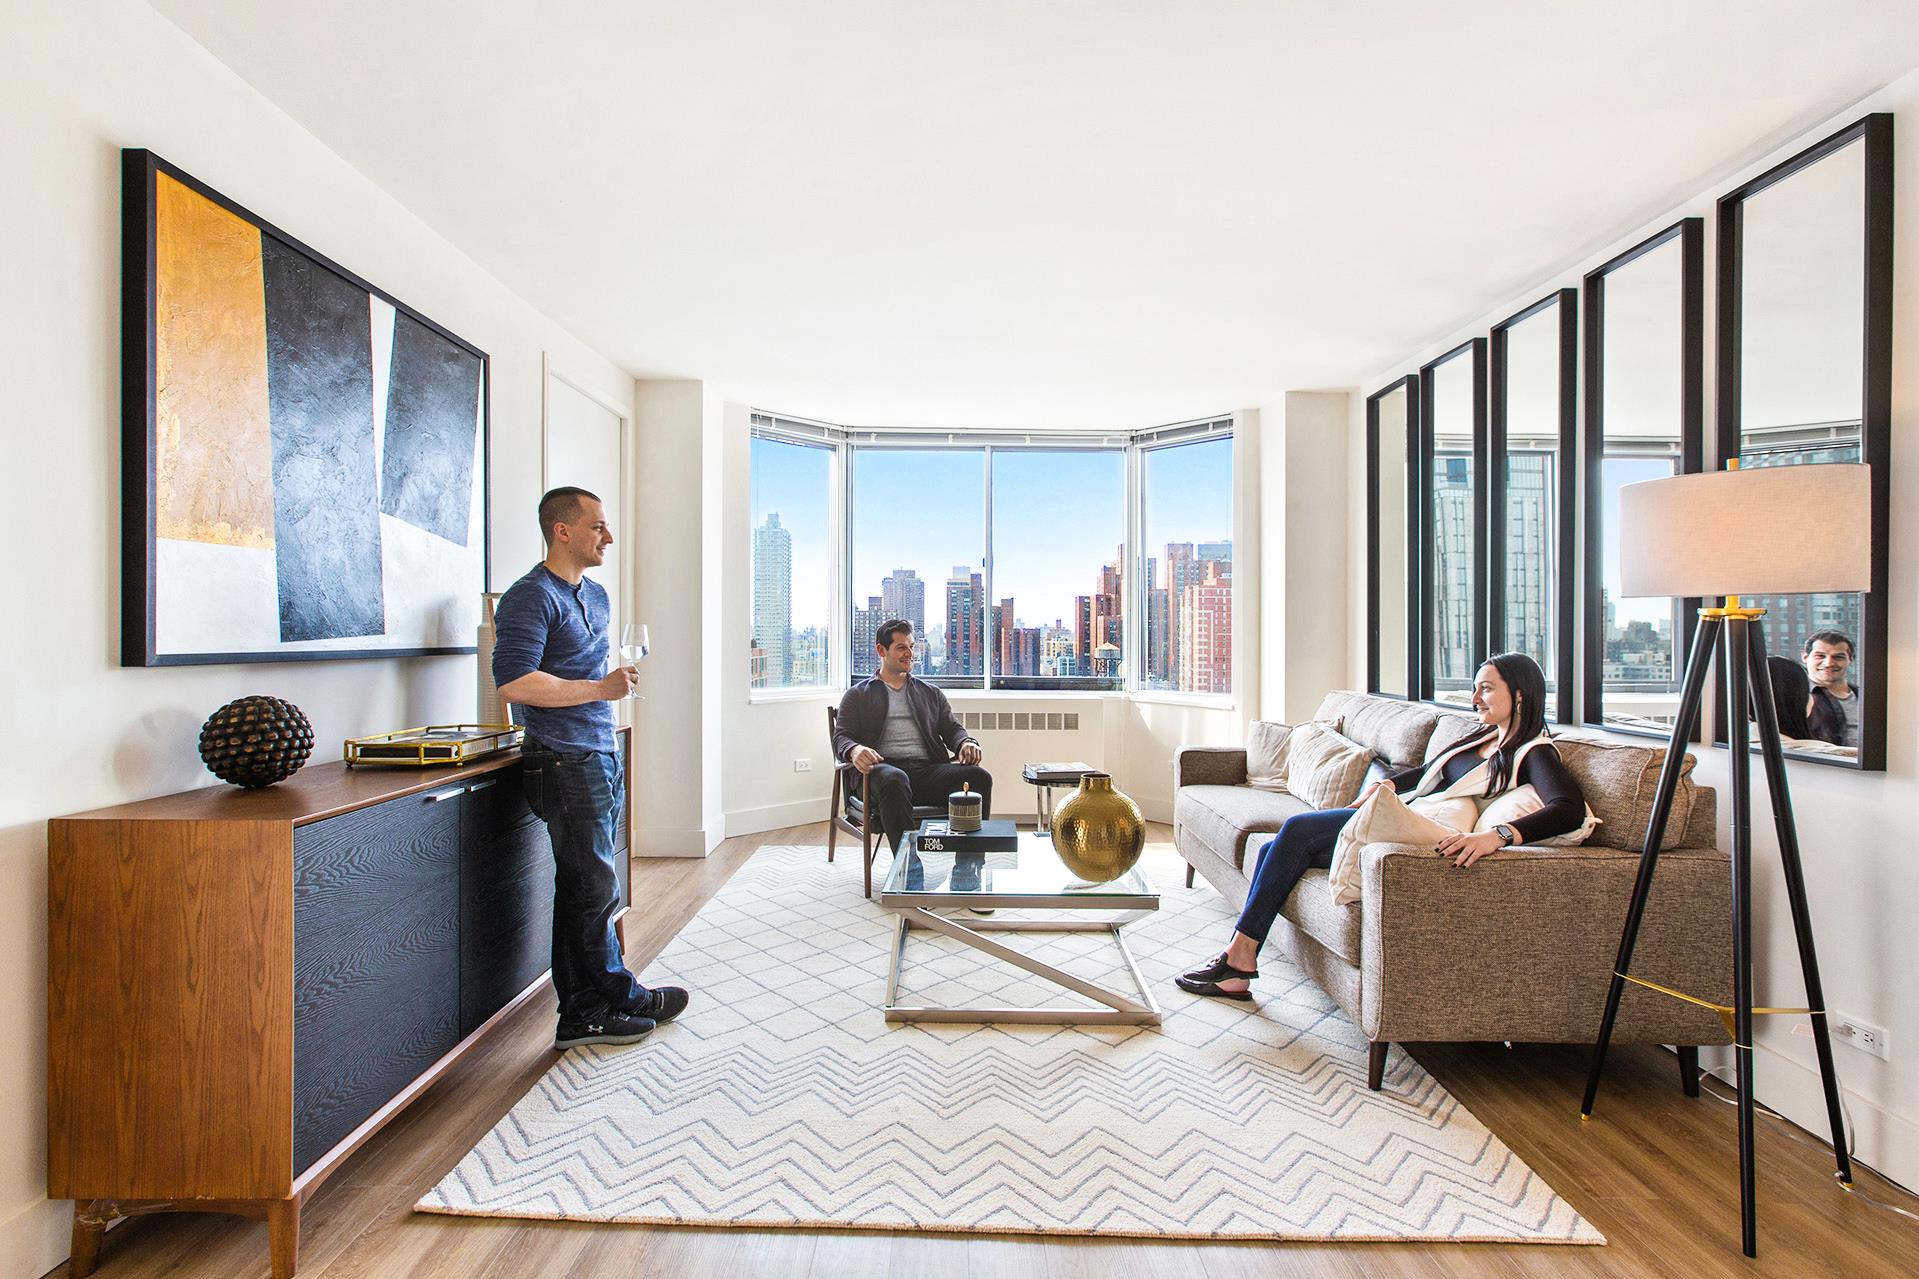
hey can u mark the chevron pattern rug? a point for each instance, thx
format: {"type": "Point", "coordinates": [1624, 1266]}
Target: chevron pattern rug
{"type": "Point", "coordinates": [783, 1098]}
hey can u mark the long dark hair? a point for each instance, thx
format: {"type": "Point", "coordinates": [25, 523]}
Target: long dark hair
{"type": "Point", "coordinates": [1527, 684]}
{"type": "Point", "coordinates": [1791, 691]}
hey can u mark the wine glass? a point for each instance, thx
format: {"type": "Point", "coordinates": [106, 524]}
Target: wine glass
{"type": "Point", "coordinates": [633, 649]}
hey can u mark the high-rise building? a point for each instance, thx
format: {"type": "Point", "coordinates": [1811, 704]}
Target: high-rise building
{"type": "Point", "coordinates": [965, 623]}
{"type": "Point", "coordinates": [866, 627]}
{"type": "Point", "coordinates": [1026, 650]}
{"type": "Point", "coordinates": [1182, 571]}
{"type": "Point", "coordinates": [772, 602]}
{"type": "Point", "coordinates": [1453, 555]}
{"type": "Point", "coordinates": [1056, 656]}
{"type": "Point", "coordinates": [1206, 637]}
{"type": "Point", "coordinates": [903, 594]}
{"type": "Point", "coordinates": [1220, 551]}
{"type": "Point", "coordinates": [1531, 535]}
{"type": "Point", "coordinates": [1003, 627]}
{"type": "Point", "coordinates": [807, 656]}
{"type": "Point", "coordinates": [1159, 670]}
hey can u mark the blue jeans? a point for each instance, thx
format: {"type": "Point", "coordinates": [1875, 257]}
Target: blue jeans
{"type": "Point", "coordinates": [579, 797]}
{"type": "Point", "coordinates": [1304, 841]}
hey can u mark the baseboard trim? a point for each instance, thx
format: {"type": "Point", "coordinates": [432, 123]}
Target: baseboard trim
{"type": "Point", "coordinates": [37, 1239]}
{"type": "Point", "coordinates": [754, 821]}
{"type": "Point", "coordinates": [672, 842]}
{"type": "Point", "coordinates": [1883, 1141]}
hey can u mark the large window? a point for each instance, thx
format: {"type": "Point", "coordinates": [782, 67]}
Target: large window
{"type": "Point", "coordinates": [1186, 549]}
{"type": "Point", "coordinates": [792, 505]}
{"type": "Point", "coordinates": [1009, 554]}
{"type": "Point", "coordinates": [1057, 616]}
{"type": "Point", "coordinates": [1453, 417]}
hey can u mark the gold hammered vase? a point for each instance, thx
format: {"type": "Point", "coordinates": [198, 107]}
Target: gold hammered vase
{"type": "Point", "coordinates": [1098, 831]}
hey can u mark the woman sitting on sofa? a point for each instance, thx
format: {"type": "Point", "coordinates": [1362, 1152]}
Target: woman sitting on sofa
{"type": "Point", "coordinates": [1509, 696]}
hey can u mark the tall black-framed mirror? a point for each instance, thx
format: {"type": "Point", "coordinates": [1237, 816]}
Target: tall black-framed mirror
{"type": "Point", "coordinates": [1454, 513]}
{"type": "Point", "coordinates": [1531, 439]}
{"type": "Point", "coordinates": [1392, 538]}
{"type": "Point", "coordinates": [1804, 345]}
{"type": "Point", "coordinates": [1645, 405]}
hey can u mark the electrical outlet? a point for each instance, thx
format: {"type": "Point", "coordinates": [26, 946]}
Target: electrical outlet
{"type": "Point", "coordinates": [802, 765]}
{"type": "Point", "coordinates": [1867, 1038]}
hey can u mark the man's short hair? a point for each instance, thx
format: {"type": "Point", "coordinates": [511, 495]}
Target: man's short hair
{"type": "Point", "coordinates": [883, 638]}
{"type": "Point", "coordinates": [562, 506]}
{"type": "Point", "coordinates": [1829, 637]}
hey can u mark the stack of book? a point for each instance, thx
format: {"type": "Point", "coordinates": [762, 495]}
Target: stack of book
{"type": "Point", "coordinates": [937, 836]}
{"type": "Point", "coordinates": [1059, 772]}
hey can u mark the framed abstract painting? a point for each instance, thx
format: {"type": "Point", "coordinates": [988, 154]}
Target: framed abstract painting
{"type": "Point", "coordinates": [304, 457]}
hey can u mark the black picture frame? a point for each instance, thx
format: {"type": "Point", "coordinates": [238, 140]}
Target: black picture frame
{"type": "Point", "coordinates": [1564, 611]}
{"type": "Point", "coordinates": [1409, 386]}
{"type": "Point", "coordinates": [1875, 132]}
{"type": "Point", "coordinates": [1475, 349]}
{"type": "Point", "coordinates": [140, 170]}
{"type": "Point", "coordinates": [1690, 233]}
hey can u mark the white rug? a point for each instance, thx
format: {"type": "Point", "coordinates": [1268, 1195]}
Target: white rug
{"type": "Point", "coordinates": [783, 1098]}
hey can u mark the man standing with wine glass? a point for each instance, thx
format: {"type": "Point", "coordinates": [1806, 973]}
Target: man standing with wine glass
{"type": "Point", "coordinates": [550, 658]}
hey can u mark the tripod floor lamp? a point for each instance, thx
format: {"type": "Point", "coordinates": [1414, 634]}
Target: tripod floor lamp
{"type": "Point", "coordinates": [1707, 535]}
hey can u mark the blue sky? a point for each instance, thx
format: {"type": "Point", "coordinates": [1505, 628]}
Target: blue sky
{"type": "Point", "coordinates": [1058, 516]}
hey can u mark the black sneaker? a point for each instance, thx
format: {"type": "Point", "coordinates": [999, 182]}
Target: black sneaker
{"type": "Point", "coordinates": [661, 1004]}
{"type": "Point", "coordinates": [608, 1026]}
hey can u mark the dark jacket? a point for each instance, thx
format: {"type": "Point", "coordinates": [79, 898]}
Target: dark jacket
{"type": "Point", "coordinates": [862, 719]}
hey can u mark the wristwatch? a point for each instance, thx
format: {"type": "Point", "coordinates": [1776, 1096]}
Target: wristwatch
{"type": "Point", "coordinates": [1506, 833]}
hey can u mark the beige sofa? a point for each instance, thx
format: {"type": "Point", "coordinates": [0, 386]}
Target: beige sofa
{"type": "Point", "coordinates": [1520, 946]}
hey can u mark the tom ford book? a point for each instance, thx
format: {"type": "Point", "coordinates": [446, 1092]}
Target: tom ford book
{"type": "Point", "coordinates": [935, 836]}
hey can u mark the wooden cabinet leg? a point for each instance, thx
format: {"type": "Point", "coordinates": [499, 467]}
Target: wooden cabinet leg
{"type": "Point", "coordinates": [283, 1229]}
{"type": "Point", "coordinates": [90, 1219]}
{"type": "Point", "coordinates": [1376, 1064]}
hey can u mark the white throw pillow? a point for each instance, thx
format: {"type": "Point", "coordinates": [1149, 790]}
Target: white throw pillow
{"type": "Point", "coordinates": [1524, 801]}
{"type": "Point", "coordinates": [1266, 754]}
{"type": "Point", "coordinates": [1323, 767]}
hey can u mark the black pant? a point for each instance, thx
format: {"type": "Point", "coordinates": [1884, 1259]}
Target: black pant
{"type": "Point", "coordinates": [896, 788]}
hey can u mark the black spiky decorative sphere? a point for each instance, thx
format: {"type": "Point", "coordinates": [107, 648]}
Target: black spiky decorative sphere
{"type": "Point", "coordinates": [256, 741]}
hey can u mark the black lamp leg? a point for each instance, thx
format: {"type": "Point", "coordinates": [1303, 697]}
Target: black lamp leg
{"type": "Point", "coordinates": [1739, 782]}
{"type": "Point", "coordinates": [1773, 752]}
{"type": "Point", "coordinates": [1704, 639]}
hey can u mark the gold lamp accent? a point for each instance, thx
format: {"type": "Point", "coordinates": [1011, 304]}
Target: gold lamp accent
{"type": "Point", "coordinates": [1098, 831]}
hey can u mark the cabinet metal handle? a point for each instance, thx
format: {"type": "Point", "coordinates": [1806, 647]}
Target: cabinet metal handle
{"type": "Point", "coordinates": [491, 781]}
{"type": "Point", "coordinates": [445, 794]}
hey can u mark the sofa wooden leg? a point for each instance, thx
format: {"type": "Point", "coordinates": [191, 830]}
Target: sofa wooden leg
{"type": "Point", "coordinates": [1689, 1069]}
{"type": "Point", "coordinates": [1189, 874]}
{"type": "Point", "coordinates": [1376, 1064]}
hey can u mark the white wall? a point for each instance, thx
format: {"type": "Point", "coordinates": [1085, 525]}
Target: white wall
{"type": "Point", "coordinates": [77, 83]}
{"type": "Point", "coordinates": [1862, 876]}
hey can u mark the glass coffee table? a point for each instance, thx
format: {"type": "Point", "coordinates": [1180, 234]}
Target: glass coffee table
{"type": "Point", "coordinates": [1030, 878]}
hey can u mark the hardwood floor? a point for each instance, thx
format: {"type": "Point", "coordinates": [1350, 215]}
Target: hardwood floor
{"type": "Point", "coordinates": [1656, 1172]}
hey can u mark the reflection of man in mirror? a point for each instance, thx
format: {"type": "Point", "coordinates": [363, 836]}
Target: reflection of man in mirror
{"type": "Point", "coordinates": [1835, 700]}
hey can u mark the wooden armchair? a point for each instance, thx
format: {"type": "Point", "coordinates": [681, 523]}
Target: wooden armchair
{"type": "Point", "coordinates": [852, 801]}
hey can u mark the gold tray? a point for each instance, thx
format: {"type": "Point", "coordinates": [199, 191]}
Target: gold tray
{"type": "Point", "coordinates": [433, 745]}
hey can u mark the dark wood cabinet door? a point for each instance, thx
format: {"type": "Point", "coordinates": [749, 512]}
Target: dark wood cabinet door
{"type": "Point", "coordinates": [506, 897]}
{"type": "Point", "coordinates": [375, 959]}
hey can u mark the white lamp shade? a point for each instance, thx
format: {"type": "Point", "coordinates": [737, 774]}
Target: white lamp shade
{"type": "Point", "coordinates": [1763, 530]}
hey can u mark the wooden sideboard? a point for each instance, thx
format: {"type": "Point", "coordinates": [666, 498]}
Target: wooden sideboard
{"type": "Point", "coordinates": [244, 986]}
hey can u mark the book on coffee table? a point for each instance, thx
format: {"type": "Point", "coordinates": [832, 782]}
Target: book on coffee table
{"type": "Point", "coordinates": [936, 835]}
{"type": "Point", "coordinates": [1057, 772]}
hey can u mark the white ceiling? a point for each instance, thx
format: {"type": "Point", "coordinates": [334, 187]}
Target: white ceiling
{"type": "Point", "coordinates": [1042, 212]}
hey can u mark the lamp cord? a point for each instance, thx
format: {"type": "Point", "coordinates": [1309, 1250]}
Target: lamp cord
{"type": "Point", "coordinates": [1792, 1130]}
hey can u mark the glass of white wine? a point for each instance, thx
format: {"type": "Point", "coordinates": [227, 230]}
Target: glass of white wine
{"type": "Point", "coordinates": [633, 650]}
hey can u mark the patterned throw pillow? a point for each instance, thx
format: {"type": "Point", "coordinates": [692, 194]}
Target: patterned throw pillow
{"type": "Point", "coordinates": [1323, 767]}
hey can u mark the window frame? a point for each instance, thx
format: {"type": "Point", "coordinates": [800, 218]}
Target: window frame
{"type": "Point", "coordinates": [1426, 689]}
{"type": "Point", "coordinates": [1409, 385]}
{"type": "Point", "coordinates": [1565, 638]}
{"type": "Point", "coordinates": [1197, 431]}
{"type": "Point", "coordinates": [1690, 232]}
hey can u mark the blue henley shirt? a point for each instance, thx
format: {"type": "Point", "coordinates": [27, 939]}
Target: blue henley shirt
{"type": "Point", "coordinates": [545, 623]}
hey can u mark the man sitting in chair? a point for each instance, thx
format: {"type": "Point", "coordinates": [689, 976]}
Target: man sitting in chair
{"type": "Point", "coordinates": [902, 734]}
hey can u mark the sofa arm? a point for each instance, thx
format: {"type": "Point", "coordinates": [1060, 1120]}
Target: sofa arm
{"type": "Point", "coordinates": [1209, 766]}
{"type": "Point", "coordinates": [1521, 945]}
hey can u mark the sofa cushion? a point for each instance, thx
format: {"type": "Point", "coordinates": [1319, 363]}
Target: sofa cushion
{"type": "Point", "coordinates": [1619, 782]}
{"type": "Point", "coordinates": [1448, 731]}
{"type": "Point", "coordinates": [1397, 731]}
{"type": "Point", "coordinates": [1266, 754]}
{"type": "Point", "coordinates": [1311, 909]}
{"type": "Point", "coordinates": [1223, 816]}
{"type": "Point", "coordinates": [1324, 768]}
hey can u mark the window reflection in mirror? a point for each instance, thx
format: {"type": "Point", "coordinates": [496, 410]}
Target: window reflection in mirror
{"type": "Point", "coordinates": [1390, 419]}
{"type": "Point", "coordinates": [1530, 371]}
{"type": "Point", "coordinates": [1642, 398]}
{"type": "Point", "coordinates": [1453, 644]}
{"type": "Point", "coordinates": [1802, 342]}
